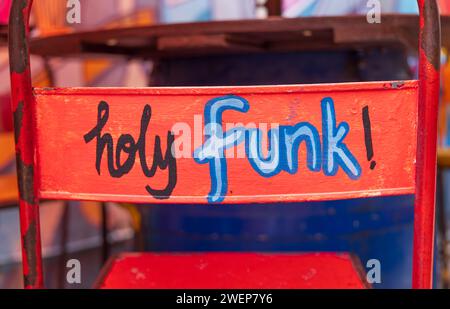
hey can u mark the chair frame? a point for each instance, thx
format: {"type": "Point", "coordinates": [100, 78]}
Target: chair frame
{"type": "Point", "coordinates": [23, 102]}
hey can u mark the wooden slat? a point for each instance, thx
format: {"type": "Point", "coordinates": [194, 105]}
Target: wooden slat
{"type": "Point", "coordinates": [233, 271]}
{"type": "Point", "coordinates": [3, 35]}
{"type": "Point", "coordinates": [218, 42]}
{"type": "Point", "coordinates": [67, 163]}
{"type": "Point", "coordinates": [8, 190]}
{"type": "Point", "coordinates": [275, 34]}
{"type": "Point", "coordinates": [8, 148]}
{"type": "Point", "coordinates": [8, 180]}
{"type": "Point", "coordinates": [444, 158]}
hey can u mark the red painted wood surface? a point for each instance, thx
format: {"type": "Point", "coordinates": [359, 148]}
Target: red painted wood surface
{"type": "Point", "coordinates": [67, 162]}
{"type": "Point", "coordinates": [233, 271]}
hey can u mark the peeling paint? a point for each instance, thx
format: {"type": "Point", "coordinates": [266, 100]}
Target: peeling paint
{"type": "Point", "coordinates": [29, 244]}
{"type": "Point", "coordinates": [397, 85]}
{"type": "Point", "coordinates": [431, 34]}
{"type": "Point", "coordinates": [18, 41]}
{"type": "Point", "coordinates": [26, 185]}
{"type": "Point", "coordinates": [18, 117]}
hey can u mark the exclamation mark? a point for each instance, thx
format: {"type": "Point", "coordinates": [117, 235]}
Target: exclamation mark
{"type": "Point", "coordinates": [368, 137]}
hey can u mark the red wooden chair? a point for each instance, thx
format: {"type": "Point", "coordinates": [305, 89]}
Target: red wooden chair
{"type": "Point", "coordinates": [116, 145]}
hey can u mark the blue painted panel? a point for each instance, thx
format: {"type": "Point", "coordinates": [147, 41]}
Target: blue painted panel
{"type": "Point", "coordinates": [378, 228]}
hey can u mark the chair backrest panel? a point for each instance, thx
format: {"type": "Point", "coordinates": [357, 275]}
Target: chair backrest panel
{"type": "Point", "coordinates": [271, 144]}
{"type": "Point", "coordinates": [360, 141]}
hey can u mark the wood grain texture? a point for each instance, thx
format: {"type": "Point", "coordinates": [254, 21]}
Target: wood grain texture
{"type": "Point", "coordinates": [3, 35]}
{"type": "Point", "coordinates": [8, 151]}
{"type": "Point", "coordinates": [8, 178]}
{"type": "Point", "coordinates": [233, 271]}
{"type": "Point", "coordinates": [444, 158]}
{"type": "Point", "coordinates": [67, 167]}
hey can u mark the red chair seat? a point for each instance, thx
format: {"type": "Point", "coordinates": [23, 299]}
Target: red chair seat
{"type": "Point", "coordinates": [233, 271]}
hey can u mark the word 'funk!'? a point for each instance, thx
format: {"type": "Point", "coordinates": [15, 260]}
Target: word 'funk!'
{"type": "Point", "coordinates": [325, 155]}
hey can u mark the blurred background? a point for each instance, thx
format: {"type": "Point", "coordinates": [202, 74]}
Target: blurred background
{"type": "Point", "coordinates": [91, 232]}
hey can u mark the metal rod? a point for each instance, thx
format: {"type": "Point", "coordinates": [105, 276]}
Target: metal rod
{"type": "Point", "coordinates": [429, 87]}
{"type": "Point", "coordinates": [104, 232]}
{"type": "Point", "coordinates": [274, 7]}
{"type": "Point", "coordinates": [24, 128]}
{"type": "Point", "coordinates": [442, 230]}
{"type": "Point", "coordinates": [63, 244]}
